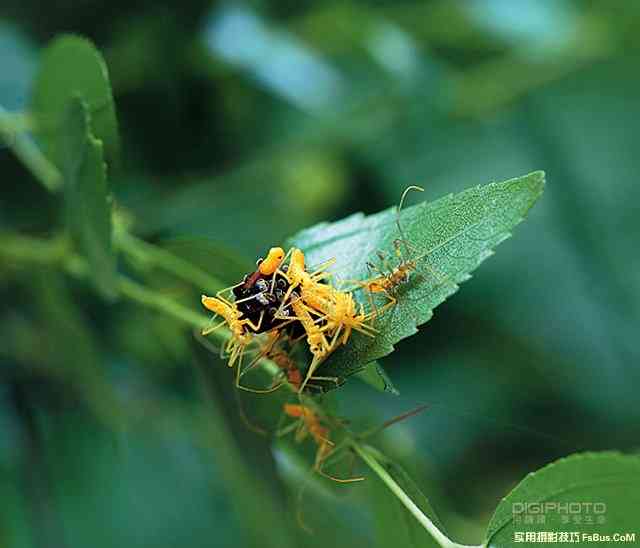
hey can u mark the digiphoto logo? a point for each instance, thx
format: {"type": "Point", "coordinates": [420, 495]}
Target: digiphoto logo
{"type": "Point", "coordinates": [576, 513]}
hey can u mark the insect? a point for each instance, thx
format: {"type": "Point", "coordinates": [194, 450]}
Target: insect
{"type": "Point", "coordinates": [308, 423]}
{"type": "Point", "coordinates": [389, 278]}
{"type": "Point", "coordinates": [327, 314]}
{"type": "Point", "coordinates": [319, 345]}
{"type": "Point", "coordinates": [252, 312]}
{"type": "Point", "coordinates": [290, 372]}
{"type": "Point", "coordinates": [297, 277]}
{"type": "Point", "coordinates": [266, 267]}
{"type": "Point", "coordinates": [259, 294]}
{"type": "Point", "coordinates": [386, 278]}
{"type": "Point", "coordinates": [231, 317]}
{"type": "Point", "coordinates": [255, 310]}
{"type": "Point", "coordinates": [342, 316]}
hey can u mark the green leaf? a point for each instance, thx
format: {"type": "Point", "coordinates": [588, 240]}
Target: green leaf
{"type": "Point", "coordinates": [86, 195]}
{"type": "Point", "coordinates": [67, 349]}
{"type": "Point", "coordinates": [610, 479]}
{"type": "Point", "coordinates": [72, 66]}
{"type": "Point", "coordinates": [450, 238]}
{"type": "Point", "coordinates": [374, 375]}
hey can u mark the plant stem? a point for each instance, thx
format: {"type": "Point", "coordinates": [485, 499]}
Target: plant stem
{"type": "Point", "coordinates": [17, 249]}
{"type": "Point", "coordinates": [154, 255]}
{"type": "Point", "coordinates": [28, 153]}
{"type": "Point", "coordinates": [431, 528]}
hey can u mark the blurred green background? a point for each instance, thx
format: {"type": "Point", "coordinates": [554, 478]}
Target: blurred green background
{"type": "Point", "coordinates": [242, 123]}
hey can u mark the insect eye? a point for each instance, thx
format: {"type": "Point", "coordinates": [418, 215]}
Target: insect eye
{"type": "Point", "coordinates": [261, 285]}
{"type": "Point", "coordinates": [285, 268]}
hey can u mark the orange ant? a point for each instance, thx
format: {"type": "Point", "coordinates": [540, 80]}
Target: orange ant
{"type": "Point", "coordinates": [327, 314]}
{"type": "Point", "coordinates": [309, 424]}
{"type": "Point", "coordinates": [341, 317]}
{"type": "Point", "coordinates": [391, 277]}
{"type": "Point", "coordinates": [319, 344]}
{"type": "Point", "coordinates": [297, 276]}
{"type": "Point", "coordinates": [290, 372]}
{"type": "Point", "coordinates": [388, 278]}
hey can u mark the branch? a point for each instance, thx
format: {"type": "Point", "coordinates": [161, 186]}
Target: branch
{"type": "Point", "coordinates": [28, 153]}
{"type": "Point", "coordinates": [423, 519]}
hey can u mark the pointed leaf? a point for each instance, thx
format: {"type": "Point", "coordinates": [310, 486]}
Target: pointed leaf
{"type": "Point", "coordinates": [449, 238]}
{"type": "Point", "coordinates": [86, 195]}
{"type": "Point", "coordinates": [72, 66]}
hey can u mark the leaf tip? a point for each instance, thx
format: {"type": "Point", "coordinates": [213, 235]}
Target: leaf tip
{"type": "Point", "coordinates": [537, 181]}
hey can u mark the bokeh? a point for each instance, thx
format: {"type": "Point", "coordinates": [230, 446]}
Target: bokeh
{"type": "Point", "coordinates": [242, 123]}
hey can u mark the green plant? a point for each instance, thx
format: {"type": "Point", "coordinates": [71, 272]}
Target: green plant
{"type": "Point", "coordinates": [73, 116]}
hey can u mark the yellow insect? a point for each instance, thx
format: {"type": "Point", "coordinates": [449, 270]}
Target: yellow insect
{"type": "Point", "coordinates": [389, 278]}
{"type": "Point", "coordinates": [318, 343]}
{"type": "Point", "coordinates": [328, 315]}
{"type": "Point", "coordinates": [272, 349]}
{"type": "Point", "coordinates": [272, 262]}
{"type": "Point", "coordinates": [243, 328]}
{"type": "Point", "coordinates": [297, 276]}
{"type": "Point", "coordinates": [231, 316]}
{"type": "Point", "coordinates": [341, 316]}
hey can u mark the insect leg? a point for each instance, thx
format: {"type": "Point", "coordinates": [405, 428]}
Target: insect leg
{"type": "Point", "coordinates": [209, 330]}
{"type": "Point", "coordinates": [253, 326]}
{"type": "Point", "coordinates": [245, 419]}
{"type": "Point", "coordinates": [219, 294]}
{"type": "Point", "coordinates": [321, 458]}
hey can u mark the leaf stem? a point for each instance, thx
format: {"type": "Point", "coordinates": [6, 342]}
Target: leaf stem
{"type": "Point", "coordinates": [17, 249]}
{"type": "Point", "coordinates": [154, 255]}
{"type": "Point", "coordinates": [431, 528]}
{"type": "Point", "coordinates": [28, 153]}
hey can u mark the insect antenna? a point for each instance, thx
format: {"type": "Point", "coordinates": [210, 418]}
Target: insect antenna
{"type": "Point", "coordinates": [391, 422]}
{"type": "Point", "coordinates": [398, 210]}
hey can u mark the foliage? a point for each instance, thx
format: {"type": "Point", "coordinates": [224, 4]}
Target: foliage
{"type": "Point", "coordinates": [119, 428]}
{"type": "Point", "coordinates": [85, 187]}
{"type": "Point", "coordinates": [447, 239]}
{"type": "Point", "coordinates": [71, 66]}
{"type": "Point", "coordinates": [608, 480]}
